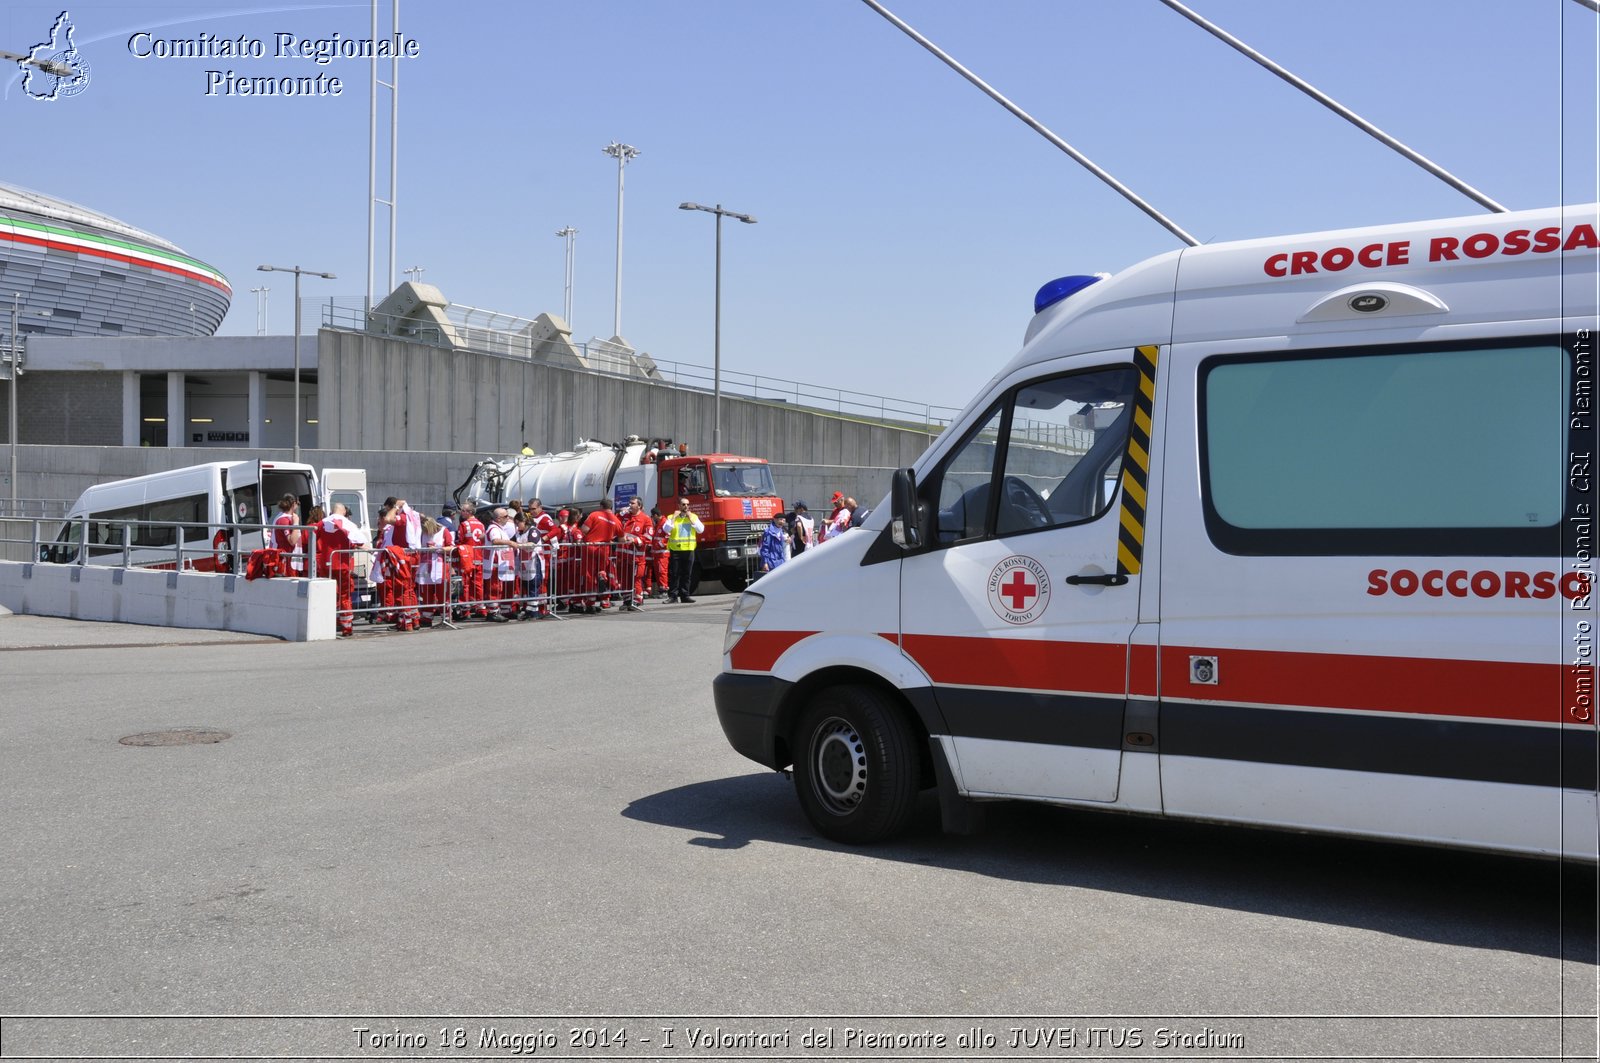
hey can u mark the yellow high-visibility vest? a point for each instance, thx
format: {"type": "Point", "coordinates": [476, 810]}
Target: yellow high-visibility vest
{"type": "Point", "coordinates": [680, 532]}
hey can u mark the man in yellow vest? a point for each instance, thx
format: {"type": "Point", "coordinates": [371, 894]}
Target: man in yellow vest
{"type": "Point", "coordinates": [681, 529]}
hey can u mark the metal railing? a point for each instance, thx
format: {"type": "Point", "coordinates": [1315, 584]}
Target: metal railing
{"type": "Point", "coordinates": [48, 508]}
{"type": "Point", "coordinates": [94, 540]}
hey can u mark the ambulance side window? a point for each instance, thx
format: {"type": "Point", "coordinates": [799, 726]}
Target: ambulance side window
{"type": "Point", "coordinates": [1065, 444]}
{"type": "Point", "coordinates": [1433, 449]}
{"type": "Point", "coordinates": [964, 483]}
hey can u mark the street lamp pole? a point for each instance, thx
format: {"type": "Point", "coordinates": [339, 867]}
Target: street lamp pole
{"type": "Point", "coordinates": [623, 153]}
{"type": "Point", "coordinates": [566, 307]}
{"type": "Point", "coordinates": [716, 370]}
{"type": "Point", "coordinates": [11, 397]}
{"type": "Point", "coordinates": [297, 271]}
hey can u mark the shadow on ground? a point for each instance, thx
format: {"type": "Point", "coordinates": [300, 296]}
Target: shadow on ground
{"type": "Point", "coordinates": [1455, 898]}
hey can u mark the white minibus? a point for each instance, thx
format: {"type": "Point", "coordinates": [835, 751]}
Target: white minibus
{"type": "Point", "coordinates": [217, 508]}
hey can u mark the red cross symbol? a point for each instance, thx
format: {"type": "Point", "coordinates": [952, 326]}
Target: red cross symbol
{"type": "Point", "coordinates": [1019, 590]}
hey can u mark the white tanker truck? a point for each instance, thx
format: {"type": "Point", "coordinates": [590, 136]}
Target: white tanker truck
{"type": "Point", "coordinates": [734, 496]}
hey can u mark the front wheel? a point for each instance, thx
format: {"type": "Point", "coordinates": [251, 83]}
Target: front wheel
{"type": "Point", "coordinates": [855, 768]}
{"type": "Point", "coordinates": [734, 579]}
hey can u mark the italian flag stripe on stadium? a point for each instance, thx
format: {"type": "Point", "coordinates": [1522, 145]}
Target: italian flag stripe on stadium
{"type": "Point", "coordinates": [16, 230]}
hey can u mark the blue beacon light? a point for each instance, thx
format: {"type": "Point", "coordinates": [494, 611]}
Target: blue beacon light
{"type": "Point", "coordinates": [1061, 288]}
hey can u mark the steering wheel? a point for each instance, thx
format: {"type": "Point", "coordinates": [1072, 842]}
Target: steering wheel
{"type": "Point", "coordinates": [1027, 507]}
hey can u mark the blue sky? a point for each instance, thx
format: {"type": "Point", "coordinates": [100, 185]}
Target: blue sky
{"type": "Point", "coordinates": [905, 220]}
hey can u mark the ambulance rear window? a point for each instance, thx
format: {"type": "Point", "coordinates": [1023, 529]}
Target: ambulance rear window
{"type": "Point", "coordinates": [1431, 450]}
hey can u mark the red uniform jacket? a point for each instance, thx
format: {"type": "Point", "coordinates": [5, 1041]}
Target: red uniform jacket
{"type": "Point", "coordinates": [469, 540]}
{"type": "Point", "coordinates": [601, 526]}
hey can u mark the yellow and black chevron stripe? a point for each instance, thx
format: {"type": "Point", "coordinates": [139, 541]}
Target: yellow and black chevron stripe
{"type": "Point", "coordinates": [1136, 466]}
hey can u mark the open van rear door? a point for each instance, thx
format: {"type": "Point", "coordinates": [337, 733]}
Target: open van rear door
{"type": "Point", "coordinates": [242, 489]}
{"type": "Point", "coordinates": [348, 486]}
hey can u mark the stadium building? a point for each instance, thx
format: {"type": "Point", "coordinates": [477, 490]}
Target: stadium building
{"type": "Point", "coordinates": [81, 273]}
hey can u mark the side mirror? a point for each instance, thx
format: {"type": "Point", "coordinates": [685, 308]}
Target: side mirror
{"type": "Point", "coordinates": [906, 524]}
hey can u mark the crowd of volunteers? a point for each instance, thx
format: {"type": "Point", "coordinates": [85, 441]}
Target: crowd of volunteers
{"type": "Point", "coordinates": [517, 561]}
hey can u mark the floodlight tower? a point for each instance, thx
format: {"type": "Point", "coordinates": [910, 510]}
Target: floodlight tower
{"type": "Point", "coordinates": [624, 154]}
{"type": "Point", "coordinates": [567, 232]}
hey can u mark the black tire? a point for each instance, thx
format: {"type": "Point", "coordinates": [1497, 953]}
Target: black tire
{"type": "Point", "coordinates": [855, 766]}
{"type": "Point", "coordinates": [735, 580]}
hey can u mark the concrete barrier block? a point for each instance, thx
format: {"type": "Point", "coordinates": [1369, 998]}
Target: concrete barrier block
{"type": "Point", "coordinates": [295, 610]}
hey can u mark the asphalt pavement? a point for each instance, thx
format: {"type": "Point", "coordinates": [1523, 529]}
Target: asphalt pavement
{"type": "Point", "coordinates": [527, 830]}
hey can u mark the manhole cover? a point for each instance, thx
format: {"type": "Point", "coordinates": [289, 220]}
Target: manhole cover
{"type": "Point", "coordinates": [183, 736]}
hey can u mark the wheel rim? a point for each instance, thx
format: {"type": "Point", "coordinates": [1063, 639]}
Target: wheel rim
{"type": "Point", "coordinates": [839, 766]}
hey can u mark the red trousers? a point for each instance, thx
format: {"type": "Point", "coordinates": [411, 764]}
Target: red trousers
{"type": "Point", "coordinates": [569, 571]}
{"type": "Point", "coordinates": [431, 596]}
{"type": "Point", "coordinates": [632, 570]}
{"type": "Point", "coordinates": [344, 583]}
{"type": "Point", "coordinates": [598, 578]}
{"type": "Point", "coordinates": [501, 591]}
{"type": "Point", "coordinates": [399, 585]}
{"type": "Point", "coordinates": [472, 590]}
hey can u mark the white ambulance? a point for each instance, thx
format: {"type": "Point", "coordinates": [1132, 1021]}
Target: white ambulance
{"type": "Point", "coordinates": [1294, 532]}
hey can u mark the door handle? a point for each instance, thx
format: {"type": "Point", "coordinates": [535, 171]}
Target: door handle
{"type": "Point", "coordinates": [1110, 579]}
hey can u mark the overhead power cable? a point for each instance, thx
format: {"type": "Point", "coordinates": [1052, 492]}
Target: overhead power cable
{"type": "Point", "coordinates": [1338, 108]}
{"type": "Point", "coordinates": [1034, 124]}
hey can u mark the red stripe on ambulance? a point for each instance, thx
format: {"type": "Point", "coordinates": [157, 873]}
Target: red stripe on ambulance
{"type": "Point", "coordinates": [1488, 690]}
{"type": "Point", "coordinates": [758, 651]}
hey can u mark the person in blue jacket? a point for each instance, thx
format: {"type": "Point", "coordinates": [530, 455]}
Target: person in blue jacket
{"type": "Point", "coordinates": [775, 543]}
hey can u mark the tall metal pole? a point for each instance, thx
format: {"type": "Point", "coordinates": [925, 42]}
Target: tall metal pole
{"type": "Point", "coordinates": [616, 312]}
{"type": "Point", "coordinates": [623, 153]}
{"type": "Point", "coordinates": [11, 396]}
{"type": "Point", "coordinates": [297, 271]}
{"type": "Point", "coordinates": [296, 365]}
{"type": "Point", "coordinates": [716, 349]}
{"type": "Point", "coordinates": [394, 148]}
{"type": "Point", "coordinates": [372, 164]}
{"type": "Point", "coordinates": [568, 232]}
{"type": "Point", "coordinates": [716, 371]}
{"type": "Point", "coordinates": [261, 309]}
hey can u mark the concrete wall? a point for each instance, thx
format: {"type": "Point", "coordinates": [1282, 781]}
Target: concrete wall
{"type": "Point", "coordinates": [382, 393]}
{"type": "Point", "coordinates": [59, 408]}
{"type": "Point", "coordinates": [294, 609]}
{"type": "Point", "coordinates": [416, 417]}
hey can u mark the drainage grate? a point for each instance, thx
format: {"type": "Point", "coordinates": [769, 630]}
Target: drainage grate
{"type": "Point", "coordinates": [182, 736]}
